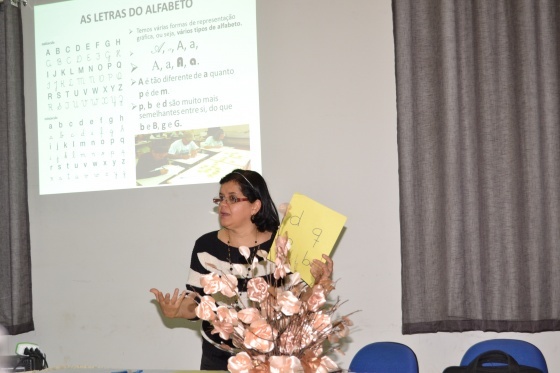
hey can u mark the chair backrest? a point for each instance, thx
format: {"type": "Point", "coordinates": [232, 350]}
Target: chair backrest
{"type": "Point", "coordinates": [523, 352]}
{"type": "Point", "coordinates": [384, 357]}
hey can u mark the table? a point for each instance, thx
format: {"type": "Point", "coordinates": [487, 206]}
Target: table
{"type": "Point", "coordinates": [173, 170]}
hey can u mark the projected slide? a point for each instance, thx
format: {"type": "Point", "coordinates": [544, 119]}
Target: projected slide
{"type": "Point", "coordinates": [135, 94]}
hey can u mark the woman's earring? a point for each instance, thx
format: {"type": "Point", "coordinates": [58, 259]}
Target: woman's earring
{"type": "Point", "coordinates": [252, 218]}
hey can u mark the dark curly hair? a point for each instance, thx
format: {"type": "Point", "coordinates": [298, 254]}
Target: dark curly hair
{"type": "Point", "coordinates": [253, 186]}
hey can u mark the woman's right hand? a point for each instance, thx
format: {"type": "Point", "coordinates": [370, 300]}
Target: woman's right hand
{"type": "Point", "coordinates": [172, 305]}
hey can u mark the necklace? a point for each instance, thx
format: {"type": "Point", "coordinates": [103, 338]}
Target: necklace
{"type": "Point", "coordinates": [250, 260]}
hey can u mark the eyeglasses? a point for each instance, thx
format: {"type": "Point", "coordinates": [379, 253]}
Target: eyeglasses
{"type": "Point", "coordinates": [230, 200]}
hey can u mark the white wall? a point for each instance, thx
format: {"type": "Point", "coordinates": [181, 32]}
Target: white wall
{"type": "Point", "coordinates": [329, 131]}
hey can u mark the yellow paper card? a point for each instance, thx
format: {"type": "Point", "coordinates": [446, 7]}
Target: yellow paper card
{"type": "Point", "coordinates": [312, 230]}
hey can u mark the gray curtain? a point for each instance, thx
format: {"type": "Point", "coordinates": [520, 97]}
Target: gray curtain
{"type": "Point", "coordinates": [15, 262]}
{"type": "Point", "coordinates": [479, 164]}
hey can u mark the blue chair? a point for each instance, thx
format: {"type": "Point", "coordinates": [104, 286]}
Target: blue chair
{"type": "Point", "coordinates": [523, 352]}
{"type": "Point", "coordinates": [384, 357]}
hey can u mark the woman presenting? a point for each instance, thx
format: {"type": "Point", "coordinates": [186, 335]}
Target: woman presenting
{"type": "Point", "coordinates": [248, 217]}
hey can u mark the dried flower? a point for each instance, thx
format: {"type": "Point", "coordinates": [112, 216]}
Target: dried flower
{"type": "Point", "coordinates": [257, 289]}
{"type": "Point", "coordinates": [242, 363]}
{"type": "Point", "coordinates": [284, 323]}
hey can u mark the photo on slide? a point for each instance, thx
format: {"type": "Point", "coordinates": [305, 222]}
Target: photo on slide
{"type": "Point", "coordinates": [201, 155]}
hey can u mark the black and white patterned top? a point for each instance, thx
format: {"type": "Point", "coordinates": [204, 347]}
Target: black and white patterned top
{"type": "Point", "coordinates": [210, 249]}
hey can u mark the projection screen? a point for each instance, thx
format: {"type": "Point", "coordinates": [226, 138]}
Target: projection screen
{"type": "Point", "coordinates": [138, 93]}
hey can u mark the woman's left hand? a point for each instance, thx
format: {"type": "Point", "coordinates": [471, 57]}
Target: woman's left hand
{"type": "Point", "coordinates": [321, 271]}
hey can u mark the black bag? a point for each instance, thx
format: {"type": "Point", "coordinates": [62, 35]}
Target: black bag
{"type": "Point", "coordinates": [507, 364]}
